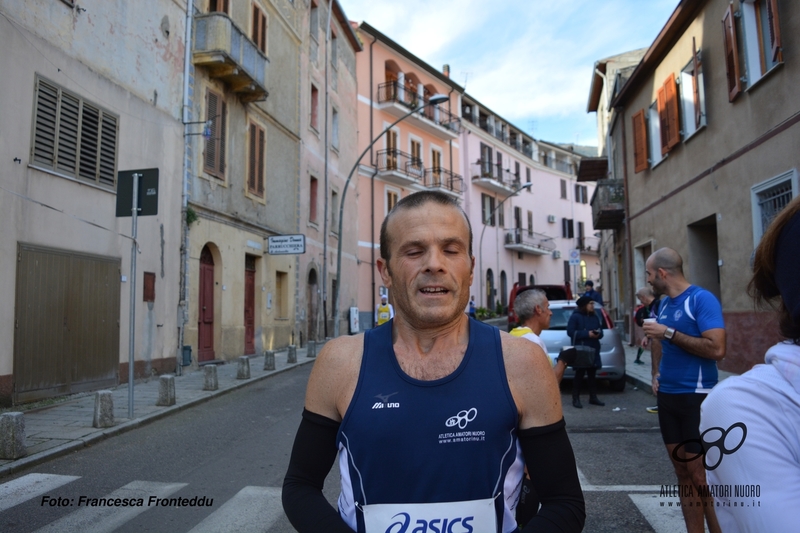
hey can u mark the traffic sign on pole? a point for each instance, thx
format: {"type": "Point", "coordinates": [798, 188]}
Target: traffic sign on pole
{"type": "Point", "coordinates": [574, 257]}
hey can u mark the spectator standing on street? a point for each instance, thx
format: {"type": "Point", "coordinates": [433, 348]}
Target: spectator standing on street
{"type": "Point", "coordinates": [471, 308]}
{"type": "Point", "coordinates": [765, 400]}
{"type": "Point", "coordinates": [584, 328]}
{"type": "Point", "coordinates": [384, 311]}
{"type": "Point", "coordinates": [687, 342]}
{"type": "Point", "coordinates": [649, 305]}
{"type": "Point", "coordinates": [591, 293]}
{"type": "Point", "coordinates": [434, 417]}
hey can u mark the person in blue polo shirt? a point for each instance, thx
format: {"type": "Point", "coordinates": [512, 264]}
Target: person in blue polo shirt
{"type": "Point", "coordinates": [688, 340]}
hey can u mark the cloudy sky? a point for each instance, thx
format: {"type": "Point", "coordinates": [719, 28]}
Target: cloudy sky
{"type": "Point", "coordinates": [530, 61]}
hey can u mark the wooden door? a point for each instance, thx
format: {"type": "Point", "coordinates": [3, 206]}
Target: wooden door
{"type": "Point", "coordinates": [249, 305]}
{"type": "Point", "coordinates": [205, 302]}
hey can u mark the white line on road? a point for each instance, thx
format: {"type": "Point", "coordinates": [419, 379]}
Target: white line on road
{"type": "Point", "coordinates": [251, 509]}
{"type": "Point", "coordinates": [104, 519]}
{"type": "Point", "coordinates": [662, 513]}
{"type": "Point", "coordinates": [28, 487]}
{"type": "Point", "coordinates": [590, 487]}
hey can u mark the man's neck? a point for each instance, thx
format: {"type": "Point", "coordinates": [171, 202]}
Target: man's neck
{"type": "Point", "coordinates": [534, 326]}
{"type": "Point", "coordinates": [424, 341]}
{"type": "Point", "coordinates": [677, 288]}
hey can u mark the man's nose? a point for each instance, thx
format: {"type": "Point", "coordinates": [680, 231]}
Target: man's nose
{"type": "Point", "coordinates": [434, 260]}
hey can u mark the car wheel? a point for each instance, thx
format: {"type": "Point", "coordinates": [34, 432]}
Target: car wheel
{"type": "Point", "coordinates": [618, 385]}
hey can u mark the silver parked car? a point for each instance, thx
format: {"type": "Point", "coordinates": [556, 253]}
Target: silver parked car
{"type": "Point", "coordinates": [611, 350]}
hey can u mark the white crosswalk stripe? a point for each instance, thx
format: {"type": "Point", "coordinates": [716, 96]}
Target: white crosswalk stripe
{"type": "Point", "coordinates": [28, 487]}
{"type": "Point", "coordinates": [106, 519]}
{"type": "Point", "coordinates": [251, 509]}
{"type": "Point", "coordinates": [662, 513]}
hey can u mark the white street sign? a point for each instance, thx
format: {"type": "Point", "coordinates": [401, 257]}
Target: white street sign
{"type": "Point", "coordinates": [575, 257]}
{"type": "Point", "coordinates": [287, 244]}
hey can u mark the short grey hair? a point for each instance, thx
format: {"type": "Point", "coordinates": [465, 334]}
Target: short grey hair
{"type": "Point", "coordinates": [646, 291]}
{"type": "Point", "coordinates": [525, 303]}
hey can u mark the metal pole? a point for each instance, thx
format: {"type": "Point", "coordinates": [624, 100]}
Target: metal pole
{"type": "Point", "coordinates": [132, 329]}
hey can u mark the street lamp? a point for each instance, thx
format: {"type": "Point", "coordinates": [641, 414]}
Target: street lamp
{"type": "Point", "coordinates": [436, 99]}
{"type": "Point", "coordinates": [485, 223]}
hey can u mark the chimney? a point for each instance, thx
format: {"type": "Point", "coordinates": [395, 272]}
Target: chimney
{"type": "Point", "coordinates": [446, 70]}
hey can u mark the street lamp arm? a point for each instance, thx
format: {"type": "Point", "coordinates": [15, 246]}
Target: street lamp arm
{"type": "Point", "coordinates": [341, 213]}
{"type": "Point", "coordinates": [485, 223]}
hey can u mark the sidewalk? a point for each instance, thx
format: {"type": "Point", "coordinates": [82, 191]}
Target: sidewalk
{"type": "Point", "coordinates": [640, 376]}
{"type": "Point", "coordinates": [67, 426]}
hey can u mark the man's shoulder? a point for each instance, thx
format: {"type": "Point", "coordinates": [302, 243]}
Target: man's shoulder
{"type": "Point", "coordinates": [342, 351]}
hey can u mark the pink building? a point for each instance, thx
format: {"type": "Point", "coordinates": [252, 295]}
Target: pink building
{"type": "Point", "coordinates": [421, 152]}
{"type": "Point", "coordinates": [526, 238]}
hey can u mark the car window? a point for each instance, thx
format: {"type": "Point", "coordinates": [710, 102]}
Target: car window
{"type": "Point", "coordinates": [561, 316]}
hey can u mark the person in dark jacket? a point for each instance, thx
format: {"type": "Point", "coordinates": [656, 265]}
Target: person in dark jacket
{"type": "Point", "coordinates": [585, 329]}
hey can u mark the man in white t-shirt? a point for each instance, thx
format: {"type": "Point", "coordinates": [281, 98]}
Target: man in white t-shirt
{"type": "Point", "coordinates": [533, 312]}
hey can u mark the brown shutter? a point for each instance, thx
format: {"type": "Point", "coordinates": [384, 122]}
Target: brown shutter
{"type": "Point", "coordinates": [639, 141]}
{"type": "Point", "coordinates": [698, 113]}
{"type": "Point", "coordinates": [210, 156]}
{"type": "Point", "coordinates": [223, 119]}
{"type": "Point", "coordinates": [224, 5]}
{"type": "Point", "coordinates": [263, 41]}
{"type": "Point", "coordinates": [251, 167]}
{"type": "Point", "coordinates": [260, 167]}
{"type": "Point", "coordinates": [256, 21]}
{"type": "Point", "coordinates": [673, 116]}
{"type": "Point", "coordinates": [663, 120]}
{"type": "Point", "coordinates": [774, 29]}
{"type": "Point", "coordinates": [731, 54]}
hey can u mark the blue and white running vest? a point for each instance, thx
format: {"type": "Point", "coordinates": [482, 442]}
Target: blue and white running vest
{"type": "Point", "coordinates": [437, 456]}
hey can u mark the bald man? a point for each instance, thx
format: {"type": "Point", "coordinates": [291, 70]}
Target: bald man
{"type": "Point", "coordinates": [687, 342]}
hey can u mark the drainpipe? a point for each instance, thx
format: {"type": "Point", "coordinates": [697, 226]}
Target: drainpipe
{"type": "Point", "coordinates": [325, 223]}
{"type": "Point", "coordinates": [629, 244]}
{"type": "Point", "coordinates": [372, 188]}
{"type": "Point", "coordinates": [186, 116]}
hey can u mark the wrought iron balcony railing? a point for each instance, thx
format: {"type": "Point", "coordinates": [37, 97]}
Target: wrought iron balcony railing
{"type": "Point", "coordinates": [444, 179]}
{"type": "Point", "coordinates": [393, 160]}
{"type": "Point", "coordinates": [537, 242]}
{"type": "Point", "coordinates": [608, 204]}
{"type": "Point", "coordinates": [392, 91]}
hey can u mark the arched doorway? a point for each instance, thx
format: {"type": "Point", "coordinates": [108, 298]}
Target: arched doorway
{"type": "Point", "coordinates": [503, 289]}
{"type": "Point", "coordinates": [312, 300]}
{"type": "Point", "coordinates": [490, 290]}
{"type": "Point", "coordinates": [205, 311]}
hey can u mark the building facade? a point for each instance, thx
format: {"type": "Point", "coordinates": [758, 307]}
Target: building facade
{"type": "Point", "coordinates": [420, 152]}
{"type": "Point", "coordinates": [89, 92]}
{"type": "Point", "coordinates": [329, 147]}
{"type": "Point", "coordinates": [705, 145]}
{"type": "Point", "coordinates": [524, 238]}
{"type": "Point", "coordinates": [243, 163]}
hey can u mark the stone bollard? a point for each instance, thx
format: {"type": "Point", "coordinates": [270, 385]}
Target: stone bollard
{"type": "Point", "coordinates": [312, 349]}
{"type": "Point", "coordinates": [103, 409]}
{"type": "Point", "coordinates": [210, 381]}
{"type": "Point", "coordinates": [12, 436]}
{"type": "Point", "coordinates": [166, 391]}
{"type": "Point", "coordinates": [292, 357]}
{"type": "Point", "coordinates": [269, 360]}
{"type": "Point", "coordinates": [243, 372]}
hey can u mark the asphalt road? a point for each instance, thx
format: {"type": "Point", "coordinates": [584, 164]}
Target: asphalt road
{"type": "Point", "coordinates": [235, 450]}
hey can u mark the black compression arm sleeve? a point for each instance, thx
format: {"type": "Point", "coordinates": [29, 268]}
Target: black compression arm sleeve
{"type": "Point", "coordinates": [313, 455]}
{"type": "Point", "coordinates": [551, 465]}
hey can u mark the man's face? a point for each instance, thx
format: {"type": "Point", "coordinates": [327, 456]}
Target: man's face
{"type": "Point", "coordinates": [655, 278]}
{"type": "Point", "coordinates": [589, 288]}
{"type": "Point", "coordinates": [543, 314]}
{"type": "Point", "coordinates": [429, 270]}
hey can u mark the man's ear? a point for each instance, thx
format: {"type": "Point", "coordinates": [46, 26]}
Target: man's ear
{"type": "Point", "coordinates": [383, 270]}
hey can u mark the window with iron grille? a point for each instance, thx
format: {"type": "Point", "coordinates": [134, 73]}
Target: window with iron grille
{"type": "Point", "coordinates": [769, 198]}
{"type": "Point", "coordinates": [74, 137]}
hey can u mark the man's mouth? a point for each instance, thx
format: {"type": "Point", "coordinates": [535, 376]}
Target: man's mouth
{"type": "Point", "coordinates": [433, 290]}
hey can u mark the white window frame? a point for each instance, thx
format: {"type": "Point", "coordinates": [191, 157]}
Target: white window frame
{"type": "Point", "coordinates": [752, 45]}
{"type": "Point", "coordinates": [687, 100]}
{"type": "Point", "coordinates": [755, 190]}
{"type": "Point", "coordinates": [654, 135]}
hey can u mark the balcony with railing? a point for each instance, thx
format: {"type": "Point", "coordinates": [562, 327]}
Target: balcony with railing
{"type": "Point", "coordinates": [397, 100]}
{"type": "Point", "coordinates": [222, 48]}
{"type": "Point", "coordinates": [589, 245]}
{"type": "Point", "coordinates": [444, 180]}
{"type": "Point", "coordinates": [529, 242]}
{"type": "Point", "coordinates": [608, 204]}
{"type": "Point", "coordinates": [399, 168]}
{"type": "Point", "coordinates": [493, 177]}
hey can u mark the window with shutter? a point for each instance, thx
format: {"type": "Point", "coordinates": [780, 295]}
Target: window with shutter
{"type": "Point", "coordinates": [216, 116]}
{"type": "Point", "coordinates": [731, 54]}
{"type": "Point", "coordinates": [218, 5]}
{"type": "Point", "coordinates": [639, 141]}
{"type": "Point", "coordinates": [692, 95]}
{"type": "Point", "coordinates": [672, 112]}
{"type": "Point", "coordinates": [260, 29]}
{"type": "Point", "coordinates": [255, 174]}
{"type": "Point", "coordinates": [774, 30]}
{"type": "Point", "coordinates": [73, 137]}
{"type": "Point", "coordinates": [260, 166]}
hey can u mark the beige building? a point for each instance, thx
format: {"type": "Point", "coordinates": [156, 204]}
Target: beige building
{"type": "Point", "coordinates": [86, 92]}
{"type": "Point", "coordinates": [705, 143]}
{"type": "Point", "coordinates": [242, 170]}
{"type": "Point", "coordinates": [323, 171]}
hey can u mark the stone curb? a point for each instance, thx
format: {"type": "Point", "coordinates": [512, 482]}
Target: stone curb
{"type": "Point", "coordinates": [63, 449]}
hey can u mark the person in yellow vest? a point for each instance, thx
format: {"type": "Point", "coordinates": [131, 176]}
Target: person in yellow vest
{"type": "Point", "coordinates": [533, 312]}
{"type": "Point", "coordinates": [384, 311]}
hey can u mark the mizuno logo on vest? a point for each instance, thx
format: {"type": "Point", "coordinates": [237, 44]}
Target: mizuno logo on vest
{"type": "Point", "coordinates": [384, 402]}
